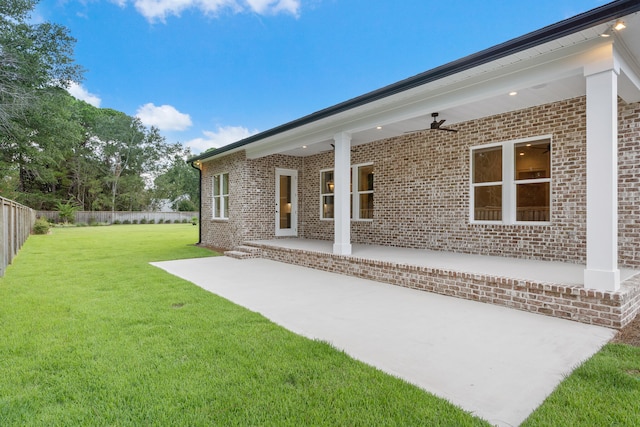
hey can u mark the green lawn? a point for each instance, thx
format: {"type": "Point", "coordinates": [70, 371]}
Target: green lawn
{"type": "Point", "coordinates": [91, 334]}
{"type": "Point", "coordinates": [604, 391]}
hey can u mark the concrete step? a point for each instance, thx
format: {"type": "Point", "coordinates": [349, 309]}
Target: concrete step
{"type": "Point", "coordinates": [249, 249]}
{"type": "Point", "coordinates": [239, 255]}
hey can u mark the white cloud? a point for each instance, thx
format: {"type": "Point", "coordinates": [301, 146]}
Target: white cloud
{"type": "Point", "coordinates": [224, 135]}
{"type": "Point", "coordinates": [264, 7]}
{"type": "Point", "coordinates": [78, 91]}
{"type": "Point", "coordinates": [164, 117]}
{"type": "Point", "coordinates": [158, 10]}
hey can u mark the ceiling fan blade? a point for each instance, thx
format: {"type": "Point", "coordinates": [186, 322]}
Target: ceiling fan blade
{"type": "Point", "coordinates": [448, 129]}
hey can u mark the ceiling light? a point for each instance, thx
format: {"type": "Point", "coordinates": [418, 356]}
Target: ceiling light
{"type": "Point", "coordinates": [619, 25]}
{"type": "Point", "coordinates": [513, 93]}
{"type": "Point", "coordinates": [304, 146]}
{"type": "Point", "coordinates": [378, 127]}
{"type": "Point", "coordinates": [522, 154]}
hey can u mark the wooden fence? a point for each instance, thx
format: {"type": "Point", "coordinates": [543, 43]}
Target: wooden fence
{"type": "Point", "coordinates": [108, 217]}
{"type": "Point", "coordinates": [16, 222]}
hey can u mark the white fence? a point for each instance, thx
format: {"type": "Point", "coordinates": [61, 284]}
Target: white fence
{"type": "Point", "coordinates": [16, 222]}
{"type": "Point", "coordinates": [108, 217]}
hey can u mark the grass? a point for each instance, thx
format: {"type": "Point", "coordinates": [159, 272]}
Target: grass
{"type": "Point", "coordinates": [91, 334]}
{"type": "Point", "coordinates": [604, 391]}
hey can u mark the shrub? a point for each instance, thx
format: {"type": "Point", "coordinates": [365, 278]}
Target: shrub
{"type": "Point", "coordinates": [126, 221]}
{"type": "Point", "coordinates": [67, 211]}
{"type": "Point", "coordinates": [176, 221]}
{"type": "Point", "coordinates": [93, 222]}
{"type": "Point", "coordinates": [151, 221]}
{"type": "Point", "coordinates": [186, 205]}
{"type": "Point", "coordinates": [194, 220]}
{"type": "Point", "coordinates": [117, 222]}
{"type": "Point", "coordinates": [143, 221]}
{"type": "Point", "coordinates": [161, 221]}
{"type": "Point", "coordinates": [184, 221]}
{"type": "Point", "coordinates": [41, 226]}
{"type": "Point", "coordinates": [135, 221]}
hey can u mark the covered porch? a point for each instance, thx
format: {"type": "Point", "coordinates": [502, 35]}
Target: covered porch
{"type": "Point", "coordinates": [550, 288]}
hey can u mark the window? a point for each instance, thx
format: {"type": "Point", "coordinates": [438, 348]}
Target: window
{"type": "Point", "coordinates": [487, 184]}
{"type": "Point", "coordinates": [361, 204]}
{"type": "Point", "coordinates": [221, 196]}
{"type": "Point", "coordinates": [326, 194]}
{"type": "Point", "coordinates": [511, 182]}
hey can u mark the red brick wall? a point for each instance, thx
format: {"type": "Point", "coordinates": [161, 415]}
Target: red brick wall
{"type": "Point", "coordinates": [421, 189]}
{"type": "Point", "coordinates": [629, 185]}
{"type": "Point", "coordinates": [251, 198]}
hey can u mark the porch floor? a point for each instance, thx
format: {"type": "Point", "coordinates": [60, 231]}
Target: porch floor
{"type": "Point", "coordinates": [514, 268]}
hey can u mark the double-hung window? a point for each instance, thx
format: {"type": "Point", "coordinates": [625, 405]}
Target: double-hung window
{"type": "Point", "coordinates": [221, 196]}
{"type": "Point", "coordinates": [511, 182]}
{"type": "Point", "coordinates": [361, 199]}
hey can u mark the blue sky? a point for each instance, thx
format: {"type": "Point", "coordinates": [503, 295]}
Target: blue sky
{"type": "Point", "coordinates": [210, 72]}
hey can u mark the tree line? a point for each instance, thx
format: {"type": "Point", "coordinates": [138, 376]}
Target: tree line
{"type": "Point", "coordinates": [55, 149]}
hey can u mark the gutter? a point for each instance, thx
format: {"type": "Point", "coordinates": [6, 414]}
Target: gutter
{"type": "Point", "coordinates": [599, 15]}
{"type": "Point", "coordinates": [199, 207]}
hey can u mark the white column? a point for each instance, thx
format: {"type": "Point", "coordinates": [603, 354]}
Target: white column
{"type": "Point", "coordinates": [341, 191]}
{"type": "Point", "coordinates": [602, 271]}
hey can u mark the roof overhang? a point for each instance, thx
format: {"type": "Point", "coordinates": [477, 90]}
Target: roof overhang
{"type": "Point", "coordinates": [544, 66]}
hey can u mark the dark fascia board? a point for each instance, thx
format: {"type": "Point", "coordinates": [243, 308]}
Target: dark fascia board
{"type": "Point", "coordinates": [591, 18]}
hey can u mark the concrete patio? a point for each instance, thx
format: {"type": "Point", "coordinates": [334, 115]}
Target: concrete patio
{"type": "Point", "coordinates": [494, 362]}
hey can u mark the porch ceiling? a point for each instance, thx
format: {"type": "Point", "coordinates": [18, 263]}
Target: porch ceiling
{"type": "Point", "coordinates": [540, 75]}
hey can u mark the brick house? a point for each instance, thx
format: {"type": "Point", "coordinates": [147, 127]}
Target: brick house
{"type": "Point", "coordinates": [539, 159]}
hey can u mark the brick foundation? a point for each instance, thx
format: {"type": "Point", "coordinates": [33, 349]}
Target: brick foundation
{"type": "Point", "coordinates": [609, 309]}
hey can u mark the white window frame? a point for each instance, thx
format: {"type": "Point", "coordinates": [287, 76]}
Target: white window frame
{"type": "Point", "coordinates": [355, 201]}
{"type": "Point", "coordinates": [509, 184]}
{"type": "Point", "coordinates": [224, 215]}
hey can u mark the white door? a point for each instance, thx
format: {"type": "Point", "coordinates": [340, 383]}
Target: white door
{"type": "Point", "coordinates": [286, 202]}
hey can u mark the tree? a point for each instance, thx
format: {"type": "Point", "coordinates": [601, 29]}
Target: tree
{"type": "Point", "coordinates": [34, 59]}
{"type": "Point", "coordinates": [39, 148]}
{"type": "Point", "coordinates": [126, 147]}
{"type": "Point", "coordinates": [55, 148]}
{"type": "Point", "coordinates": [180, 184]}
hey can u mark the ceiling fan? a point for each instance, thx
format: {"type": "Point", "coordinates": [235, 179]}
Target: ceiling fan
{"type": "Point", "coordinates": [435, 125]}
{"type": "Point", "coordinates": [333, 148]}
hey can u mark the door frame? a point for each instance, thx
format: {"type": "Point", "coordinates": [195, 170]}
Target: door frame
{"type": "Point", "coordinates": [293, 231]}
